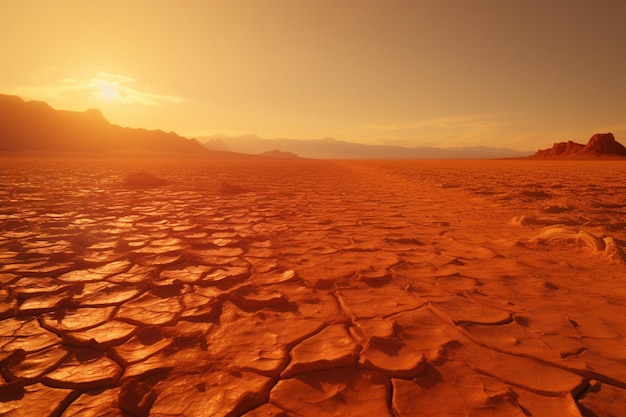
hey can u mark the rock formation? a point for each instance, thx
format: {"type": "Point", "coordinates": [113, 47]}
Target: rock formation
{"type": "Point", "coordinates": [600, 145]}
{"type": "Point", "coordinates": [603, 144]}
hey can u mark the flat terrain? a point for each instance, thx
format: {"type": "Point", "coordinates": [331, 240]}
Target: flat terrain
{"type": "Point", "coordinates": [312, 288]}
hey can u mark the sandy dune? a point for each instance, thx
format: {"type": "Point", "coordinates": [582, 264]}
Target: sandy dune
{"type": "Point", "coordinates": [309, 288]}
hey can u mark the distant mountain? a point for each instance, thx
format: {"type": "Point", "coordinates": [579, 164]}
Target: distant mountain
{"type": "Point", "coordinates": [329, 148]}
{"type": "Point", "coordinates": [601, 145]}
{"type": "Point", "coordinates": [35, 126]}
{"type": "Point", "coordinates": [277, 153]}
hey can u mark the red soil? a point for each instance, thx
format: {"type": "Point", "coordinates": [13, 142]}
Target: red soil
{"type": "Point", "coordinates": [316, 289]}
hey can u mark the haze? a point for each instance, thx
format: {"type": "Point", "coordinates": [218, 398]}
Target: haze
{"type": "Point", "coordinates": [147, 274]}
{"type": "Point", "coordinates": [416, 73]}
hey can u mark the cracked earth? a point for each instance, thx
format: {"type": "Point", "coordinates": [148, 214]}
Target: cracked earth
{"type": "Point", "coordinates": [311, 288]}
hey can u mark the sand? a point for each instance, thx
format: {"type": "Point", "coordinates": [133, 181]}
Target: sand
{"type": "Point", "coordinates": [312, 288]}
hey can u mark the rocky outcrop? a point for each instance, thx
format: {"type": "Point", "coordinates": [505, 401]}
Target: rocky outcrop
{"type": "Point", "coordinates": [560, 149]}
{"type": "Point", "coordinates": [600, 145]}
{"type": "Point", "coordinates": [603, 144]}
{"type": "Point", "coordinates": [35, 126]}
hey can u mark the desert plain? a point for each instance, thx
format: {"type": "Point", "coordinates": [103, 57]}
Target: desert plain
{"type": "Point", "coordinates": [269, 287]}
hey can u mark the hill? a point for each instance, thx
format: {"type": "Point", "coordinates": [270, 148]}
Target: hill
{"type": "Point", "coordinates": [601, 145]}
{"type": "Point", "coordinates": [277, 153]}
{"type": "Point", "coordinates": [36, 126]}
{"type": "Point", "coordinates": [329, 148]}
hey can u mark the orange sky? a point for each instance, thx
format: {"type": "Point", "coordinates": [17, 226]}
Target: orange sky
{"type": "Point", "coordinates": [518, 74]}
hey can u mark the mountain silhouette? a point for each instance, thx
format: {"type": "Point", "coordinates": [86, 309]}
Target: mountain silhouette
{"type": "Point", "coordinates": [329, 148]}
{"type": "Point", "coordinates": [277, 153]}
{"type": "Point", "coordinates": [36, 126]}
{"type": "Point", "coordinates": [600, 145]}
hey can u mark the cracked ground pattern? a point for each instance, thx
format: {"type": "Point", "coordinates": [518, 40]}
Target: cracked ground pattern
{"type": "Point", "coordinates": [310, 288]}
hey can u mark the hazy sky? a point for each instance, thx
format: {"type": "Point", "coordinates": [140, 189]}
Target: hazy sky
{"type": "Point", "coordinates": [512, 73]}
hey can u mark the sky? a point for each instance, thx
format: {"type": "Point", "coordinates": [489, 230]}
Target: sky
{"type": "Point", "coordinates": [520, 74]}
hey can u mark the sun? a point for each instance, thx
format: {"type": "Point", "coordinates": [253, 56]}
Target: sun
{"type": "Point", "coordinates": [107, 91]}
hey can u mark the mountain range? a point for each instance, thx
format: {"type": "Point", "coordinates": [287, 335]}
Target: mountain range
{"type": "Point", "coordinates": [329, 148]}
{"type": "Point", "coordinates": [36, 126]}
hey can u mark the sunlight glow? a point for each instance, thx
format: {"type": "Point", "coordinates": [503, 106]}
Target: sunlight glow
{"type": "Point", "coordinates": [96, 86]}
{"type": "Point", "coordinates": [107, 91]}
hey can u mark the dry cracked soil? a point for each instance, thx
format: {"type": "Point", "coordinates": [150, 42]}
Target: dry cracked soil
{"type": "Point", "coordinates": [312, 288]}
